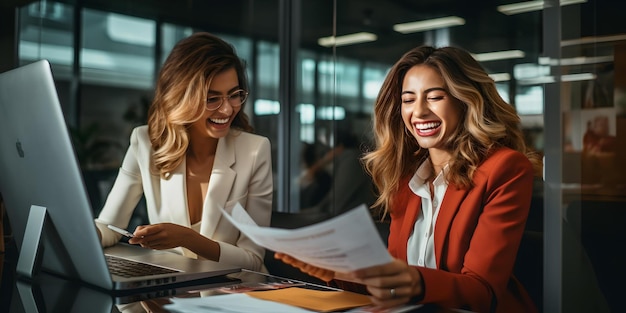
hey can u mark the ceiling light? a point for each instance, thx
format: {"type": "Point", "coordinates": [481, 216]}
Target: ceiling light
{"type": "Point", "coordinates": [537, 80]}
{"type": "Point", "coordinates": [521, 7]}
{"type": "Point", "coordinates": [578, 77]}
{"type": "Point", "coordinates": [499, 55]}
{"type": "Point", "coordinates": [346, 39]}
{"type": "Point", "coordinates": [420, 26]}
{"type": "Point", "coordinates": [500, 77]}
{"type": "Point", "coordinates": [575, 61]}
{"type": "Point", "coordinates": [552, 79]}
{"type": "Point", "coordinates": [593, 40]}
{"type": "Point", "coordinates": [528, 6]}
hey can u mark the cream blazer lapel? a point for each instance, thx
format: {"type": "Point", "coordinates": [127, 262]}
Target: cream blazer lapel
{"type": "Point", "coordinates": [220, 186]}
{"type": "Point", "coordinates": [174, 190]}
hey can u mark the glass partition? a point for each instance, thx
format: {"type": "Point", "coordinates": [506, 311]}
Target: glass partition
{"type": "Point", "coordinates": [589, 67]}
{"type": "Point", "coordinates": [313, 88]}
{"type": "Point", "coordinates": [46, 31]}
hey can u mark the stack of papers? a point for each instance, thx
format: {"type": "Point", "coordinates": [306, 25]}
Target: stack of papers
{"type": "Point", "coordinates": [290, 300]}
{"type": "Point", "coordinates": [294, 300]}
{"type": "Point", "coordinates": [344, 243]}
{"type": "Point", "coordinates": [230, 303]}
{"type": "Point", "coordinates": [298, 300]}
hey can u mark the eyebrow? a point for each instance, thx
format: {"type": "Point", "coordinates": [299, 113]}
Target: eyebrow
{"type": "Point", "coordinates": [213, 92]}
{"type": "Point", "coordinates": [426, 91]}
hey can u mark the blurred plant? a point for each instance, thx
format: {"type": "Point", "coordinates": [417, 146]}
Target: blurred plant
{"type": "Point", "coordinates": [91, 149]}
{"type": "Point", "coordinates": [137, 114]}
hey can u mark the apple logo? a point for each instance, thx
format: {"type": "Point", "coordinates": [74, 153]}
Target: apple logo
{"type": "Point", "coordinates": [20, 151]}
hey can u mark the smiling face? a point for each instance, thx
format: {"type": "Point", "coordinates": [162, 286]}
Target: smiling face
{"type": "Point", "coordinates": [429, 112]}
{"type": "Point", "coordinates": [216, 124]}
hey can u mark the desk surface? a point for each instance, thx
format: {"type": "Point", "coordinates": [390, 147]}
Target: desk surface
{"type": "Point", "coordinates": [49, 293]}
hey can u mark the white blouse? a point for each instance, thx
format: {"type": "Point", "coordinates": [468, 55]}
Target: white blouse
{"type": "Point", "coordinates": [421, 247]}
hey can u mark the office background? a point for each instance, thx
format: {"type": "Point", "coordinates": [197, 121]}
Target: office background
{"type": "Point", "coordinates": [563, 67]}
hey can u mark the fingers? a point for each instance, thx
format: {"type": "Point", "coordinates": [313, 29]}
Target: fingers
{"type": "Point", "coordinates": [318, 272]}
{"type": "Point", "coordinates": [147, 230]}
{"type": "Point", "coordinates": [389, 297]}
{"type": "Point", "coordinates": [153, 242]}
{"type": "Point", "coordinates": [147, 236]}
{"type": "Point", "coordinates": [287, 259]}
{"type": "Point", "coordinates": [386, 297]}
{"type": "Point", "coordinates": [388, 269]}
{"type": "Point", "coordinates": [284, 257]}
{"type": "Point", "coordinates": [389, 293]}
{"type": "Point", "coordinates": [139, 240]}
{"type": "Point", "coordinates": [391, 284]}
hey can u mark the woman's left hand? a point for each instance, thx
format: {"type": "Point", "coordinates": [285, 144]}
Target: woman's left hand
{"type": "Point", "coordinates": [160, 236]}
{"type": "Point", "coordinates": [391, 284]}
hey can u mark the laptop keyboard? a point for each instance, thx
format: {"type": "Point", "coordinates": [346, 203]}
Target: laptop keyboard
{"type": "Point", "coordinates": [128, 268]}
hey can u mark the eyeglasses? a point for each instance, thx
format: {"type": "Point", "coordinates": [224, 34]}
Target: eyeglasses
{"type": "Point", "coordinates": [236, 99]}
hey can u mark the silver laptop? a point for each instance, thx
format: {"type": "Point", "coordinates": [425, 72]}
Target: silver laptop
{"type": "Point", "coordinates": [47, 203]}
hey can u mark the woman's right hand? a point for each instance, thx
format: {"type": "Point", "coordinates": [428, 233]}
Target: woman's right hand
{"type": "Point", "coordinates": [318, 272]}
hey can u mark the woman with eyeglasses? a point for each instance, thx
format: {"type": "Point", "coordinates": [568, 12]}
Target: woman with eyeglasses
{"type": "Point", "coordinates": [195, 155]}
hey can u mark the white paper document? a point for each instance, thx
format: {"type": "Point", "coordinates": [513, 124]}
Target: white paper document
{"type": "Point", "coordinates": [344, 243]}
{"type": "Point", "coordinates": [243, 303]}
{"type": "Point", "coordinates": [232, 303]}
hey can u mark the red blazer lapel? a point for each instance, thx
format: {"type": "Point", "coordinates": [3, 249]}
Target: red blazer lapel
{"type": "Point", "coordinates": [450, 205]}
{"type": "Point", "coordinates": [413, 209]}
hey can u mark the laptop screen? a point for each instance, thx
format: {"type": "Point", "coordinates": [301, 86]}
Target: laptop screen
{"type": "Point", "coordinates": [38, 166]}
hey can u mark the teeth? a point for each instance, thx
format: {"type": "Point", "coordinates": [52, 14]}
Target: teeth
{"type": "Point", "coordinates": [219, 120]}
{"type": "Point", "coordinates": [426, 125]}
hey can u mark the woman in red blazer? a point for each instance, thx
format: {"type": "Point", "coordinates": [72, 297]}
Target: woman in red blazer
{"type": "Point", "coordinates": [454, 174]}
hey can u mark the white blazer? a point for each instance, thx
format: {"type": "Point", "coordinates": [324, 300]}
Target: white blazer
{"type": "Point", "coordinates": [242, 172]}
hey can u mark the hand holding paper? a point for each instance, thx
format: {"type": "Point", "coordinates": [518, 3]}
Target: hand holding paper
{"type": "Point", "coordinates": [318, 272]}
{"type": "Point", "coordinates": [342, 244]}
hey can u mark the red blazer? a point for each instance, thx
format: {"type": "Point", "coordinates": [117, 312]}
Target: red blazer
{"type": "Point", "coordinates": [477, 235]}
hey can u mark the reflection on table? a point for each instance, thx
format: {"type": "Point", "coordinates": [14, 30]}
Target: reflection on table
{"type": "Point", "coordinates": [49, 293]}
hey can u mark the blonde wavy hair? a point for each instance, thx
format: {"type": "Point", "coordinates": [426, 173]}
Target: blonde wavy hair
{"type": "Point", "coordinates": [488, 122]}
{"type": "Point", "coordinates": [181, 92]}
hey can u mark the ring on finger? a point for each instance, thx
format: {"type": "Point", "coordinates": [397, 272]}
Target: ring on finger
{"type": "Point", "coordinates": [392, 291]}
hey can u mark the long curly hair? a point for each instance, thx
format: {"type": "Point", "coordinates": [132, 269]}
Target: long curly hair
{"type": "Point", "coordinates": [180, 95]}
{"type": "Point", "coordinates": [488, 122]}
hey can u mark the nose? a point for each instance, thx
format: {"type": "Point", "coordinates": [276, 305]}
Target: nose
{"type": "Point", "coordinates": [420, 107]}
{"type": "Point", "coordinates": [226, 107]}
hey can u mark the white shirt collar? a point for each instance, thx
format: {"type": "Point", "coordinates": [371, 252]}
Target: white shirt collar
{"type": "Point", "coordinates": [418, 183]}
